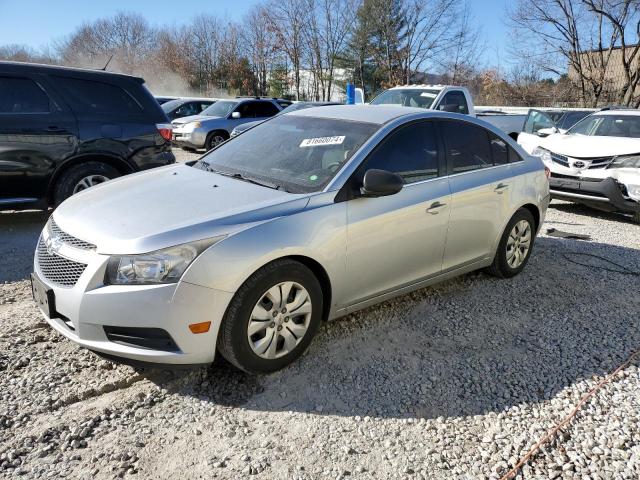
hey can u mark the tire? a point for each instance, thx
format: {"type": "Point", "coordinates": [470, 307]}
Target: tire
{"type": "Point", "coordinates": [501, 266]}
{"type": "Point", "coordinates": [234, 340]}
{"type": "Point", "coordinates": [636, 218]}
{"type": "Point", "coordinates": [215, 138]}
{"type": "Point", "coordinates": [75, 179]}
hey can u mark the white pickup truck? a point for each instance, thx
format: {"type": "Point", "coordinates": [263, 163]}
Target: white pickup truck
{"type": "Point", "coordinates": [449, 98]}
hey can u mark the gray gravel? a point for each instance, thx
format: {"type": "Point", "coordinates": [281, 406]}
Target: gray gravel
{"type": "Point", "coordinates": [456, 381]}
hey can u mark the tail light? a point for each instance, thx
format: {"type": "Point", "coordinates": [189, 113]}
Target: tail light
{"type": "Point", "coordinates": [547, 173]}
{"type": "Point", "coordinates": [165, 130]}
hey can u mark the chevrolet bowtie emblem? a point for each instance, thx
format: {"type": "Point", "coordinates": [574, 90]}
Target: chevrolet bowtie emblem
{"type": "Point", "coordinates": [53, 245]}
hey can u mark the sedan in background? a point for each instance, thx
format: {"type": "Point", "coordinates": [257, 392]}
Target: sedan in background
{"type": "Point", "coordinates": [291, 108]}
{"type": "Point", "coordinates": [305, 218]}
{"type": "Point", "coordinates": [597, 162]}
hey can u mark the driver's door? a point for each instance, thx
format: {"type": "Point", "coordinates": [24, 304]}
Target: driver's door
{"type": "Point", "coordinates": [530, 136]}
{"type": "Point", "coordinates": [398, 240]}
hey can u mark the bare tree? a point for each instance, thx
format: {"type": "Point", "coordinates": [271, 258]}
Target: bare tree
{"type": "Point", "coordinates": [260, 46]}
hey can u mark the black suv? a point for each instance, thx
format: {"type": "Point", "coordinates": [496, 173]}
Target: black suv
{"type": "Point", "coordinates": [65, 129]}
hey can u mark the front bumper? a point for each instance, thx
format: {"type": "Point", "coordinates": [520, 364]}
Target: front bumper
{"type": "Point", "coordinates": [83, 310]}
{"type": "Point", "coordinates": [189, 138]}
{"type": "Point", "coordinates": [607, 194]}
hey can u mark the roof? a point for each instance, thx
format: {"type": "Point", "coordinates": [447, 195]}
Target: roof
{"type": "Point", "coordinates": [379, 114]}
{"type": "Point", "coordinates": [619, 111]}
{"type": "Point", "coordinates": [422, 86]}
{"type": "Point", "coordinates": [17, 67]}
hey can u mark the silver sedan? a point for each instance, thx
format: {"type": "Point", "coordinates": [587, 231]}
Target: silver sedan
{"type": "Point", "coordinates": [305, 218]}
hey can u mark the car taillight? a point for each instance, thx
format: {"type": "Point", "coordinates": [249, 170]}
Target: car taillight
{"type": "Point", "coordinates": [165, 130]}
{"type": "Point", "coordinates": [547, 173]}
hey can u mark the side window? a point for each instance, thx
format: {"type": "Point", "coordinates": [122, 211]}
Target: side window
{"type": "Point", "coordinates": [248, 109]}
{"type": "Point", "coordinates": [266, 109]}
{"type": "Point", "coordinates": [499, 150]}
{"type": "Point", "coordinates": [467, 146]}
{"type": "Point", "coordinates": [202, 106]}
{"type": "Point", "coordinates": [411, 152]}
{"type": "Point", "coordinates": [513, 156]}
{"type": "Point", "coordinates": [22, 95]}
{"type": "Point", "coordinates": [97, 97]}
{"type": "Point", "coordinates": [537, 120]}
{"type": "Point", "coordinates": [454, 101]}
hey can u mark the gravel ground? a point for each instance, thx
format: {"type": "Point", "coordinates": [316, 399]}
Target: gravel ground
{"type": "Point", "coordinates": [455, 381]}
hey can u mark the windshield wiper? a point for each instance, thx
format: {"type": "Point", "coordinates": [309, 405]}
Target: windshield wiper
{"type": "Point", "coordinates": [244, 178]}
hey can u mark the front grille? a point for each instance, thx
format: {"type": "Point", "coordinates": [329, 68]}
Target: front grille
{"type": "Point", "coordinates": [600, 162]}
{"type": "Point", "coordinates": [55, 230]}
{"type": "Point", "coordinates": [561, 159]}
{"type": "Point", "coordinates": [57, 269]}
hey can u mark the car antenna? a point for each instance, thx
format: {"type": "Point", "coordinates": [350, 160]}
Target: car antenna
{"type": "Point", "coordinates": [104, 69]}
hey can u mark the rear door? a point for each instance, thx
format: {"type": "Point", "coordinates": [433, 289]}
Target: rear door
{"type": "Point", "coordinates": [37, 130]}
{"type": "Point", "coordinates": [481, 184]}
{"type": "Point", "coordinates": [398, 240]}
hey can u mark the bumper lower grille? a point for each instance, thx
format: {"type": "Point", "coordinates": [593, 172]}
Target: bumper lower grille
{"type": "Point", "coordinates": [149, 338]}
{"type": "Point", "coordinates": [57, 269]}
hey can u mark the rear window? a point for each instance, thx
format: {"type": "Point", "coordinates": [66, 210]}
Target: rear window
{"type": "Point", "coordinates": [22, 95]}
{"type": "Point", "coordinates": [88, 96]}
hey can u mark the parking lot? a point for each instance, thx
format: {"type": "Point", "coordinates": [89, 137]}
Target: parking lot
{"type": "Point", "coordinates": [454, 381]}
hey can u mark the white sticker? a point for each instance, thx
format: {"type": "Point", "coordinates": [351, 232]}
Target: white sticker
{"type": "Point", "coordinates": [428, 94]}
{"type": "Point", "coordinates": [319, 141]}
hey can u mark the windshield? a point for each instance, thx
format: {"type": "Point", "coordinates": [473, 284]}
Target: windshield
{"type": "Point", "coordinates": [407, 97]}
{"type": "Point", "coordinates": [297, 154]}
{"type": "Point", "coordinates": [221, 108]}
{"type": "Point", "coordinates": [170, 105]}
{"type": "Point", "coordinates": [608, 126]}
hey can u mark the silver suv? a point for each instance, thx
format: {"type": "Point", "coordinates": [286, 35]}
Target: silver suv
{"type": "Point", "coordinates": [307, 217]}
{"type": "Point", "coordinates": [215, 124]}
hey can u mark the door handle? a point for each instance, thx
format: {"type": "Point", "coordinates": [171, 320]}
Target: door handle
{"type": "Point", "coordinates": [500, 188]}
{"type": "Point", "coordinates": [435, 207]}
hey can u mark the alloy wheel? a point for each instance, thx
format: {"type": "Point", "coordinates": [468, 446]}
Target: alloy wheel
{"type": "Point", "coordinates": [89, 181]}
{"type": "Point", "coordinates": [279, 320]}
{"type": "Point", "coordinates": [518, 243]}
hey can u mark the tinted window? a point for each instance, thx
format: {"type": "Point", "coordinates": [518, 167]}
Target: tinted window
{"type": "Point", "coordinates": [88, 96]}
{"type": "Point", "coordinates": [188, 109]}
{"type": "Point", "coordinates": [407, 97]}
{"type": "Point", "coordinates": [454, 102]}
{"type": "Point", "coordinates": [608, 125]}
{"type": "Point", "coordinates": [266, 109]}
{"type": "Point", "coordinates": [499, 150]}
{"type": "Point", "coordinates": [571, 118]}
{"type": "Point", "coordinates": [411, 152]}
{"type": "Point", "coordinates": [21, 95]}
{"type": "Point", "coordinates": [467, 146]}
{"type": "Point", "coordinates": [513, 156]}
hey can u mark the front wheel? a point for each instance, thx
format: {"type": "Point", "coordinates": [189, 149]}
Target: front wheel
{"type": "Point", "coordinates": [515, 245]}
{"type": "Point", "coordinates": [272, 318]}
{"type": "Point", "coordinates": [214, 139]}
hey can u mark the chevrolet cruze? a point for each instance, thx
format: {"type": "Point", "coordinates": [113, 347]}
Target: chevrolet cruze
{"type": "Point", "coordinates": [307, 217]}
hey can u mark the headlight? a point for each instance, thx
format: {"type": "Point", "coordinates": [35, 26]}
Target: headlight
{"type": "Point", "coordinates": [626, 161]}
{"type": "Point", "coordinates": [634, 192]}
{"type": "Point", "coordinates": [543, 153]}
{"type": "Point", "coordinates": [189, 127]}
{"type": "Point", "coordinates": [163, 266]}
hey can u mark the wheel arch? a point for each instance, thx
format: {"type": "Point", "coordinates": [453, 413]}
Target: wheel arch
{"type": "Point", "coordinates": [323, 277]}
{"type": "Point", "coordinates": [118, 163]}
{"type": "Point", "coordinates": [534, 211]}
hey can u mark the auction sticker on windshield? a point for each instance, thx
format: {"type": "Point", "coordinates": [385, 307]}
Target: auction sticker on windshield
{"type": "Point", "coordinates": [318, 141]}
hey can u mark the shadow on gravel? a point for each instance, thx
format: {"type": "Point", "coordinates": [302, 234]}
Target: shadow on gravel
{"type": "Point", "coordinates": [20, 232]}
{"type": "Point", "coordinates": [583, 210]}
{"type": "Point", "coordinates": [467, 347]}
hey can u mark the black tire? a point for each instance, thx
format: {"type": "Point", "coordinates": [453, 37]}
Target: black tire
{"type": "Point", "coordinates": [233, 342]}
{"type": "Point", "coordinates": [213, 139]}
{"type": "Point", "coordinates": [636, 218]}
{"type": "Point", "coordinates": [500, 267]}
{"type": "Point", "coordinates": [69, 179]}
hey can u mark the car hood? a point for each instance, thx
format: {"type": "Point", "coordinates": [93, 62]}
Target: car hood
{"type": "Point", "coordinates": [168, 206]}
{"type": "Point", "coordinates": [583, 146]}
{"type": "Point", "coordinates": [193, 118]}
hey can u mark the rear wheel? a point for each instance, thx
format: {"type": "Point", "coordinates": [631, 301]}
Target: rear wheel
{"type": "Point", "coordinates": [515, 245]}
{"type": "Point", "coordinates": [636, 217]}
{"type": "Point", "coordinates": [272, 318]}
{"type": "Point", "coordinates": [81, 177]}
{"type": "Point", "coordinates": [214, 139]}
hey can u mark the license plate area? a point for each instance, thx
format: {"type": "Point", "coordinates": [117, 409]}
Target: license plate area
{"type": "Point", "coordinates": [43, 296]}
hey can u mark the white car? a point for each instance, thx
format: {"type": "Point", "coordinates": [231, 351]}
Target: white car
{"type": "Point", "coordinates": [596, 162]}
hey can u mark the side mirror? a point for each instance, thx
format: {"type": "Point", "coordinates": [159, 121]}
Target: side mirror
{"type": "Point", "coordinates": [380, 183]}
{"type": "Point", "coordinates": [236, 115]}
{"type": "Point", "coordinates": [545, 132]}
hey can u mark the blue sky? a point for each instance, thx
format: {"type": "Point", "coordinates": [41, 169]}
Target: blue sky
{"type": "Point", "coordinates": [39, 22]}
